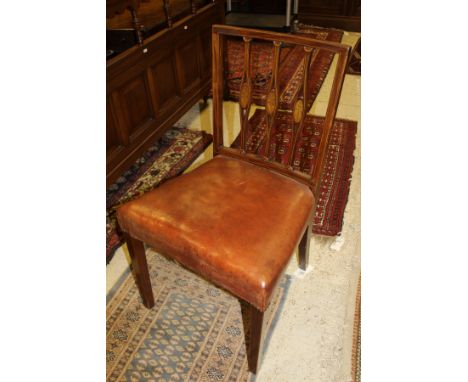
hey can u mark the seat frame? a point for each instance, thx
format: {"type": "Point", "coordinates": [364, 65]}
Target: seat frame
{"type": "Point", "coordinates": [136, 247]}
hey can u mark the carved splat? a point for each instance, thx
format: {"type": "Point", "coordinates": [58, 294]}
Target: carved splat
{"type": "Point", "coordinates": [244, 95]}
{"type": "Point", "coordinates": [272, 98]}
{"type": "Point", "coordinates": [299, 108]}
{"type": "Point", "coordinates": [245, 99]}
{"type": "Point", "coordinates": [271, 102]}
{"type": "Point", "coordinates": [299, 111]}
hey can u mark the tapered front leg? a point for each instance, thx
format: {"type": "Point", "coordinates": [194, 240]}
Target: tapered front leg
{"type": "Point", "coordinates": [256, 338]}
{"type": "Point", "coordinates": [136, 249]}
{"type": "Point", "coordinates": [304, 248]}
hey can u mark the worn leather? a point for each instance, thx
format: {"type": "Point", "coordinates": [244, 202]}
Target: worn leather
{"type": "Point", "coordinates": [230, 221]}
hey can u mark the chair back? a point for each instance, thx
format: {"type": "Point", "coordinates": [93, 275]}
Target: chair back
{"type": "Point", "coordinates": [294, 107]}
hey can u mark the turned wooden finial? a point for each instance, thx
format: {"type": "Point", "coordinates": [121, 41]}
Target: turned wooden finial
{"type": "Point", "coordinates": [167, 10]}
{"type": "Point", "coordinates": [137, 26]}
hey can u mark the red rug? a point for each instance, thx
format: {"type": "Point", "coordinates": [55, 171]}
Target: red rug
{"type": "Point", "coordinates": [168, 157]}
{"type": "Point", "coordinates": [290, 67]}
{"type": "Point", "coordinates": [335, 180]}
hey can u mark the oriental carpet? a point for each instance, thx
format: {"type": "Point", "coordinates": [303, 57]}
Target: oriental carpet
{"type": "Point", "coordinates": [195, 331]}
{"type": "Point", "coordinates": [168, 157]}
{"type": "Point", "coordinates": [339, 160]}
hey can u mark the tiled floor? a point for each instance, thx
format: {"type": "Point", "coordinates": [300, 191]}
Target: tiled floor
{"type": "Point", "coordinates": [312, 340]}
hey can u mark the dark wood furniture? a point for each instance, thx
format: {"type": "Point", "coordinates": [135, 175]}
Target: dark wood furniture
{"type": "Point", "coordinates": [259, 6]}
{"type": "Point", "coordinates": [343, 14]}
{"type": "Point", "coordinates": [159, 66]}
{"type": "Point", "coordinates": [236, 219]}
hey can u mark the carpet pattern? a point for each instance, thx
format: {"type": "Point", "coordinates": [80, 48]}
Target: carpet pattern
{"type": "Point", "coordinates": [168, 157]}
{"type": "Point", "coordinates": [356, 354]}
{"type": "Point", "coordinates": [291, 67]}
{"type": "Point", "coordinates": [195, 331]}
{"type": "Point", "coordinates": [336, 176]}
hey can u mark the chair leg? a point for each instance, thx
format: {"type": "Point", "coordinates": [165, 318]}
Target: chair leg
{"type": "Point", "coordinates": [136, 249]}
{"type": "Point", "coordinates": [256, 339]}
{"type": "Point", "coordinates": [304, 248]}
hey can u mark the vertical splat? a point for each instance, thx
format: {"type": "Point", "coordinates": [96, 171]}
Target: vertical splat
{"type": "Point", "coordinates": [299, 110]}
{"type": "Point", "coordinates": [300, 107]}
{"type": "Point", "coordinates": [245, 98]}
{"type": "Point", "coordinates": [272, 99]}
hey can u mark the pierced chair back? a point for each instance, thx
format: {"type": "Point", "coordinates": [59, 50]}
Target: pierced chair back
{"type": "Point", "coordinates": [289, 163]}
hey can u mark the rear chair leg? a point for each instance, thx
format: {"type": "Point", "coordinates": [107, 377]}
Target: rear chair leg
{"type": "Point", "coordinates": [202, 105]}
{"type": "Point", "coordinates": [256, 339]}
{"type": "Point", "coordinates": [304, 249]}
{"type": "Point", "coordinates": [136, 249]}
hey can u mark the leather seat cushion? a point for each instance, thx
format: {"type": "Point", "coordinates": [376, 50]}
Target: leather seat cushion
{"type": "Point", "coordinates": [230, 221]}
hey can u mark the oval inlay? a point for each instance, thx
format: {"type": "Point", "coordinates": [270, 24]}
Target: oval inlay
{"type": "Point", "coordinates": [298, 110]}
{"type": "Point", "coordinates": [271, 102]}
{"type": "Point", "coordinates": [244, 95]}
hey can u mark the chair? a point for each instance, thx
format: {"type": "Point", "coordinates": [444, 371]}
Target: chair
{"type": "Point", "coordinates": [237, 219]}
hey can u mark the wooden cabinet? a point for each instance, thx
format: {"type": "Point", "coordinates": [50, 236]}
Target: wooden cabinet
{"type": "Point", "coordinates": [344, 14]}
{"type": "Point", "coordinates": [259, 6]}
{"type": "Point", "coordinates": [150, 86]}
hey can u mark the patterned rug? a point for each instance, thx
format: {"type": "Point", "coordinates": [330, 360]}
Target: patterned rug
{"type": "Point", "coordinates": [195, 331]}
{"type": "Point", "coordinates": [168, 157]}
{"type": "Point", "coordinates": [335, 181]}
{"type": "Point", "coordinates": [356, 355]}
{"type": "Point", "coordinates": [290, 67]}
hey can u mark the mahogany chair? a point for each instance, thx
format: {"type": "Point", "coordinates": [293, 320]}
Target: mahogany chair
{"type": "Point", "coordinates": [237, 219]}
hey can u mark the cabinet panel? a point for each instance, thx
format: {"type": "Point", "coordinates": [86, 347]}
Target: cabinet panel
{"type": "Point", "coordinates": [187, 64]}
{"type": "Point", "coordinates": [204, 45]}
{"type": "Point", "coordinates": [112, 135]}
{"type": "Point", "coordinates": [165, 81]}
{"type": "Point", "coordinates": [205, 53]}
{"type": "Point", "coordinates": [135, 103]}
{"type": "Point", "coordinates": [341, 14]}
{"type": "Point", "coordinates": [330, 7]}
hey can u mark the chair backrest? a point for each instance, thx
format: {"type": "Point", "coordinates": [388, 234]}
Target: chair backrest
{"type": "Point", "coordinates": [297, 107]}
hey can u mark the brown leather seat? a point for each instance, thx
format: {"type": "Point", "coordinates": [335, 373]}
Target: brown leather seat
{"type": "Point", "coordinates": [230, 221]}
